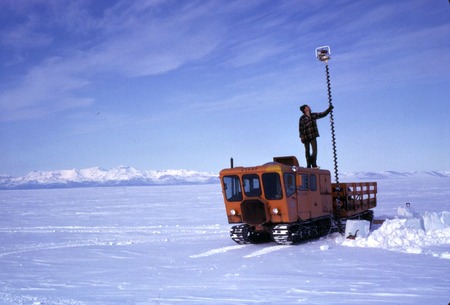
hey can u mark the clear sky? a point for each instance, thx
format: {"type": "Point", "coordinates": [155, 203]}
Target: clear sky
{"type": "Point", "coordinates": [188, 84]}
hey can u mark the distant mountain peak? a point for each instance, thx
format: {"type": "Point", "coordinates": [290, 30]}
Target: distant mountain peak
{"type": "Point", "coordinates": [97, 176]}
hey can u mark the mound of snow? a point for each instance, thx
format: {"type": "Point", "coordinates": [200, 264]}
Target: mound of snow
{"type": "Point", "coordinates": [411, 234]}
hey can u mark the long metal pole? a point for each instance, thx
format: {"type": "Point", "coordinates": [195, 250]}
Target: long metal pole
{"type": "Point", "coordinates": [333, 135]}
{"type": "Point", "coordinates": [324, 54]}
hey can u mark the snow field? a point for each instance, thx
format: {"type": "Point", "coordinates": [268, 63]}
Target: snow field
{"type": "Point", "coordinates": [170, 245]}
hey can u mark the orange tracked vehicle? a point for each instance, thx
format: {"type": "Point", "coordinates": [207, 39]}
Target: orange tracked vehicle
{"type": "Point", "coordinates": [288, 204]}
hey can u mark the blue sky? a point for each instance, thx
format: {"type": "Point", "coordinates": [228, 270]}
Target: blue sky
{"type": "Point", "coordinates": [188, 84]}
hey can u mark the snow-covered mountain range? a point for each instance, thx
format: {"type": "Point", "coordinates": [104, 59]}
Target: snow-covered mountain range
{"type": "Point", "coordinates": [96, 176]}
{"type": "Point", "coordinates": [130, 176]}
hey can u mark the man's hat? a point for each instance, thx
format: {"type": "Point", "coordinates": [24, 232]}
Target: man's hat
{"type": "Point", "coordinates": [302, 108]}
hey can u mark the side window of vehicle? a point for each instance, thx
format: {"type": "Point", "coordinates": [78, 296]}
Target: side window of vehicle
{"type": "Point", "coordinates": [304, 185]}
{"type": "Point", "coordinates": [313, 182]}
{"type": "Point", "coordinates": [289, 182]}
{"type": "Point", "coordinates": [232, 188]}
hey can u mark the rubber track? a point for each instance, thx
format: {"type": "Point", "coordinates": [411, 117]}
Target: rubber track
{"type": "Point", "coordinates": [290, 234]}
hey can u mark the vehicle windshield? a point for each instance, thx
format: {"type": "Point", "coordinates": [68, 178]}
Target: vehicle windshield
{"type": "Point", "coordinates": [252, 187]}
{"type": "Point", "coordinates": [232, 188]}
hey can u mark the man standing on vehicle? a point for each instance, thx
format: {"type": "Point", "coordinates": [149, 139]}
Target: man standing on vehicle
{"type": "Point", "coordinates": [309, 132]}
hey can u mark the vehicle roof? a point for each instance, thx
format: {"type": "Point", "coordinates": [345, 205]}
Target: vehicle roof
{"type": "Point", "coordinates": [270, 167]}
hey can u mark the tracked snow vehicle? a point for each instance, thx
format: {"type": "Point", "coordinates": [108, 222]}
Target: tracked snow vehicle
{"type": "Point", "coordinates": [289, 204]}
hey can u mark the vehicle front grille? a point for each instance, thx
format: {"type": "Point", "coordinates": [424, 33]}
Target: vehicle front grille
{"type": "Point", "coordinates": [253, 212]}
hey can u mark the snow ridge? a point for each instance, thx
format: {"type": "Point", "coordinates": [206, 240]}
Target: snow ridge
{"type": "Point", "coordinates": [96, 176]}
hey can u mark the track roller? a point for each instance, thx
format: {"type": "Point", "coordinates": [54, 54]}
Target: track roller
{"type": "Point", "coordinates": [246, 234]}
{"type": "Point", "coordinates": [290, 234]}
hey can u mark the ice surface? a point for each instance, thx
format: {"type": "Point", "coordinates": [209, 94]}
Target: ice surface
{"type": "Point", "coordinates": [170, 245]}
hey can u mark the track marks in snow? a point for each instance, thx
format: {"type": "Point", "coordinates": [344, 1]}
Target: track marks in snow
{"type": "Point", "coordinates": [218, 251]}
{"type": "Point", "coordinates": [266, 251]}
{"type": "Point", "coordinates": [260, 252]}
{"type": "Point", "coordinates": [353, 293]}
{"type": "Point", "coordinates": [103, 236]}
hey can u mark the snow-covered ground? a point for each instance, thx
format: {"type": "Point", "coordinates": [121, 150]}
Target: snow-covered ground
{"type": "Point", "coordinates": [170, 245]}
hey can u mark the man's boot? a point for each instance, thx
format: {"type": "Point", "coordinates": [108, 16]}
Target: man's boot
{"type": "Point", "coordinates": [313, 162]}
{"type": "Point", "coordinates": [308, 162]}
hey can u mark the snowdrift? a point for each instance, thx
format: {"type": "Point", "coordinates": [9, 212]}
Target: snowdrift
{"type": "Point", "coordinates": [408, 232]}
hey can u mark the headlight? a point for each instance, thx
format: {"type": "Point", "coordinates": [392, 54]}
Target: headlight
{"type": "Point", "coordinates": [233, 212]}
{"type": "Point", "coordinates": [275, 211]}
